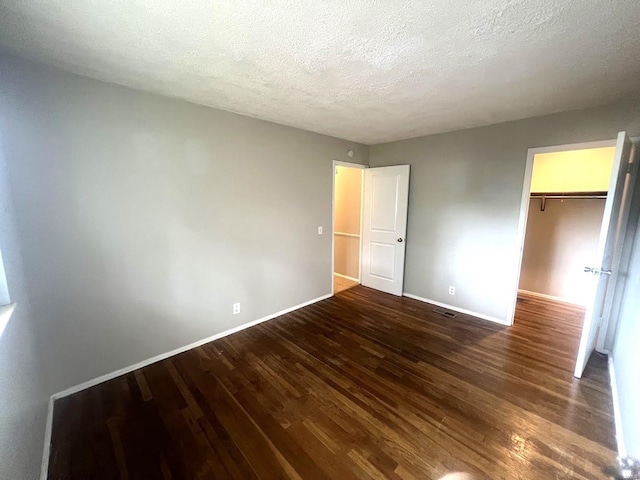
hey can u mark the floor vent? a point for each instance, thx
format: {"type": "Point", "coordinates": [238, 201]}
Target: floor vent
{"type": "Point", "coordinates": [444, 313]}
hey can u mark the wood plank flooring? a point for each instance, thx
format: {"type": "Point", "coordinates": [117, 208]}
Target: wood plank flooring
{"type": "Point", "coordinates": [340, 284]}
{"type": "Point", "coordinates": [362, 385]}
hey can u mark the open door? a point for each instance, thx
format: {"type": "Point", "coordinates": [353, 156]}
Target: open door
{"type": "Point", "coordinates": [607, 260]}
{"type": "Point", "coordinates": [386, 199]}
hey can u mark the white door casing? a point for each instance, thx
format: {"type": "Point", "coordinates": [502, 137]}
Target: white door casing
{"type": "Point", "coordinates": [386, 201]}
{"type": "Point", "coordinates": [607, 258]}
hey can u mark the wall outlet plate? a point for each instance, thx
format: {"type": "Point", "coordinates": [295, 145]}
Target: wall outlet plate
{"type": "Point", "coordinates": [452, 290]}
{"type": "Point", "coordinates": [236, 308]}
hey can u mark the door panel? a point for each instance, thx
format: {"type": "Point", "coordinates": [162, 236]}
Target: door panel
{"type": "Point", "coordinates": [382, 260]}
{"type": "Point", "coordinates": [607, 259]}
{"type": "Point", "coordinates": [384, 215]}
{"type": "Point", "coordinates": [386, 197]}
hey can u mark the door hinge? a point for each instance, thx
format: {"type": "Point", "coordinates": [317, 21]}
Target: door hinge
{"type": "Point", "coordinates": [630, 167]}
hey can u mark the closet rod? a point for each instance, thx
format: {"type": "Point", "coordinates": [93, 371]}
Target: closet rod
{"type": "Point", "coordinates": [566, 196]}
{"type": "Point", "coordinates": [582, 195]}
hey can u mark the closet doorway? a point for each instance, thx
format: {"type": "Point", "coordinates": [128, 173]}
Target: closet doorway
{"type": "Point", "coordinates": [574, 213]}
{"type": "Point", "coordinates": [348, 188]}
{"type": "Point", "coordinates": [568, 194]}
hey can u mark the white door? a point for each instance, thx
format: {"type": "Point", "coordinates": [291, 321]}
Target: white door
{"type": "Point", "coordinates": [607, 259]}
{"type": "Point", "coordinates": [386, 199]}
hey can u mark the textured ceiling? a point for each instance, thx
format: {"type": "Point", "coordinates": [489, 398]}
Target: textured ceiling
{"type": "Point", "coordinates": [368, 71]}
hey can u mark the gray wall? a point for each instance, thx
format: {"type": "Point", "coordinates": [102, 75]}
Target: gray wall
{"type": "Point", "coordinates": [559, 243]}
{"type": "Point", "coordinates": [464, 201]}
{"type": "Point", "coordinates": [142, 219]}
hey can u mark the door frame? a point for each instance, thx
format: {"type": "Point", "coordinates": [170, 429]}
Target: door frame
{"type": "Point", "coordinates": [525, 201]}
{"type": "Point", "coordinates": [337, 163]}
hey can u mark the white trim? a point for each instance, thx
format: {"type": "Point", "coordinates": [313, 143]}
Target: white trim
{"type": "Point", "coordinates": [617, 414]}
{"type": "Point", "coordinates": [46, 451]}
{"type": "Point", "coordinates": [522, 230]}
{"type": "Point", "coordinates": [344, 234]}
{"type": "Point", "coordinates": [333, 221]}
{"type": "Point", "coordinates": [361, 224]}
{"type": "Point", "coordinates": [346, 276]}
{"type": "Point", "coordinates": [524, 206]}
{"type": "Point", "coordinates": [455, 309]}
{"type": "Point", "coordinates": [163, 356]}
{"type": "Point", "coordinates": [549, 297]}
{"type": "Point", "coordinates": [568, 147]}
{"type": "Point", "coordinates": [337, 163]}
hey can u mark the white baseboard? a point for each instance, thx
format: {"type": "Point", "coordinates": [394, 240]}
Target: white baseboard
{"type": "Point", "coordinates": [46, 451]}
{"type": "Point", "coordinates": [163, 356]}
{"type": "Point", "coordinates": [144, 363]}
{"type": "Point", "coordinates": [549, 297]}
{"type": "Point", "coordinates": [617, 414]}
{"type": "Point", "coordinates": [456, 309]}
{"type": "Point", "coordinates": [346, 276]}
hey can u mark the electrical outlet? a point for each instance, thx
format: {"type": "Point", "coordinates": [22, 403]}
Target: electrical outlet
{"type": "Point", "coordinates": [319, 230]}
{"type": "Point", "coordinates": [236, 308]}
{"type": "Point", "coordinates": [452, 290]}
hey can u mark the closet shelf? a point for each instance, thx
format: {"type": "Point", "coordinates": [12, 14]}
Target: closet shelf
{"type": "Point", "coordinates": [343, 234]}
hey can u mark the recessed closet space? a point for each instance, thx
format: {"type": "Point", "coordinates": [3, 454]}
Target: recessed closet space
{"type": "Point", "coordinates": [568, 193]}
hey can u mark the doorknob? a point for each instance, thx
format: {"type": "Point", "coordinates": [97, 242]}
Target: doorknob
{"type": "Point", "coordinates": [597, 271]}
{"type": "Point", "coordinates": [400, 240]}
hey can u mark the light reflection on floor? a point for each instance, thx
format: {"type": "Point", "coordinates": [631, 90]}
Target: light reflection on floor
{"type": "Point", "coordinates": [340, 284]}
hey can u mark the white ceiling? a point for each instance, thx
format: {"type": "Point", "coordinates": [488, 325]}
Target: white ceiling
{"type": "Point", "coordinates": [369, 71]}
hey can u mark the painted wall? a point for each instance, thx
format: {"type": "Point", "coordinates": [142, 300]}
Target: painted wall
{"type": "Point", "coordinates": [625, 352]}
{"type": "Point", "coordinates": [586, 170]}
{"type": "Point", "coordinates": [464, 201]}
{"type": "Point", "coordinates": [23, 390]}
{"type": "Point", "coordinates": [348, 199]}
{"type": "Point", "coordinates": [141, 219]}
{"type": "Point", "coordinates": [559, 243]}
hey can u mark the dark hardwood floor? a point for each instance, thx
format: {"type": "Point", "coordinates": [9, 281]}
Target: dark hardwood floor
{"type": "Point", "coordinates": [362, 385]}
